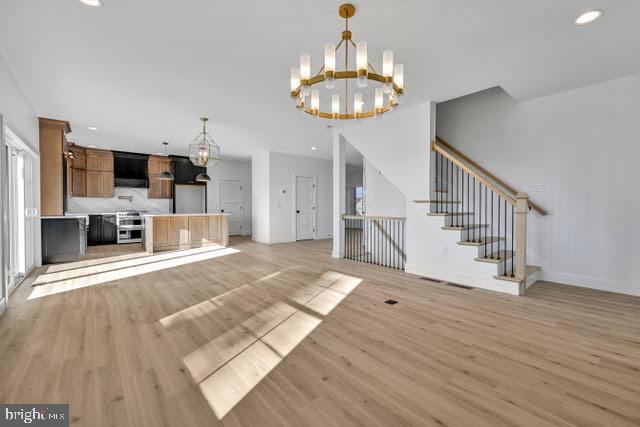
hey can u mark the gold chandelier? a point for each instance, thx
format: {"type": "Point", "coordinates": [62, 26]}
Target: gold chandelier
{"type": "Point", "coordinates": [391, 81]}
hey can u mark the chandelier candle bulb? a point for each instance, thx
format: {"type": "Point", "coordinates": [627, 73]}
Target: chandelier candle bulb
{"type": "Point", "coordinates": [315, 101]}
{"type": "Point", "coordinates": [379, 100]}
{"type": "Point", "coordinates": [335, 105]}
{"type": "Point", "coordinates": [295, 80]}
{"type": "Point", "coordinates": [357, 105]}
{"type": "Point", "coordinates": [361, 63]}
{"type": "Point", "coordinates": [387, 70]}
{"type": "Point", "coordinates": [398, 77]}
{"type": "Point", "coordinates": [305, 72]}
{"type": "Point", "coordinates": [329, 65]}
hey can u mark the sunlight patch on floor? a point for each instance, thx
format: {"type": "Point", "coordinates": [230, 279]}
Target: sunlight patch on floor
{"type": "Point", "coordinates": [233, 381]}
{"type": "Point", "coordinates": [228, 367]}
{"type": "Point", "coordinates": [119, 264]}
{"type": "Point", "coordinates": [123, 273]}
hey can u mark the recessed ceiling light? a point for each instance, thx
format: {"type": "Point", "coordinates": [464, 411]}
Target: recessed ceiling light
{"type": "Point", "coordinates": [588, 17]}
{"type": "Point", "coordinates": [94, 3]}
{"type": "Point", "coordinates": [314, 148]}
{"type": "Point", "coordinates": [92, 128]}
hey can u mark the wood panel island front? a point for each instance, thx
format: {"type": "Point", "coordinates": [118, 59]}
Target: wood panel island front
{"type": "Point", "coordinates": [184, 231]}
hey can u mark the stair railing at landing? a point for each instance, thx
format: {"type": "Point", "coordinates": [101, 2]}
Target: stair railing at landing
{"type": "Point", "coordinates": [487, 211]}
{"type": "Point", "coordinates": [376, 240]}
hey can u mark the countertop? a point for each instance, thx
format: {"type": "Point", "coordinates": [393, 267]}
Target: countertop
{"type": "Point", "coordinates": [195, 214]}
{"type": "Point", "coordinates": [67, 216]}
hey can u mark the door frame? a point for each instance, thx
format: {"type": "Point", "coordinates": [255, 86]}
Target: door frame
{"type": "Point", "coordinates": [240, 195]}
{"type": "Point", "coordinates": [314, 196]}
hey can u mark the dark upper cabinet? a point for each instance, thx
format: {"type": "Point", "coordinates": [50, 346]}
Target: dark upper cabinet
{"type": "Point", "coordinates": [184, 171]}
{"type": "Point", "coordinates": [102, 230]}
{"type": "Point", "coordinates": [130, 169]}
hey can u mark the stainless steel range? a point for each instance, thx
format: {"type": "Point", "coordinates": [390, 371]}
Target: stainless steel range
{"type": "Point", "coordinates": [129, 224]}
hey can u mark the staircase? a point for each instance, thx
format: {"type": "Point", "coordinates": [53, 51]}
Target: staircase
{"type": "Point", "coordinates": [489, 216]}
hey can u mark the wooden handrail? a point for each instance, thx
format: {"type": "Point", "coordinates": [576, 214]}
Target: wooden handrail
{"type": "Point", "coordinates": [473, 173]}
{"type": "Point", "coordinates": [383, 218]}
{"type": "Point", "coordinates": [453, 154]}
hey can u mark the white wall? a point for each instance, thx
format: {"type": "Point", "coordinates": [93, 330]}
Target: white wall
{"type": "Point", "coordinates": [382, 198]}
{"type": "Point", "coordinates": [18, 113]}
{"type": "Point", "coordinates": [283, 168]}
{"type": "Point", "coordinates": [581, 149]}
{"type": "Point", "coordinates": [231, 170]}
{"type": "Point", "coordinates": [260, 197]}
{"type": "Point", "coordinates": [398, 145]}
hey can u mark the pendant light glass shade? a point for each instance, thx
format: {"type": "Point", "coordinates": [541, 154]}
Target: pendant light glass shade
{"type": "Point", "coordinates": [166, 175]}
{"type": "Point", "coordinates": [203, 151]}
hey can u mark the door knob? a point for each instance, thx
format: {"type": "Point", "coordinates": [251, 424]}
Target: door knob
{"type": "Point", "coordinates": [297, 211]}
{"type": "Point", "coordinates": [221, 210]}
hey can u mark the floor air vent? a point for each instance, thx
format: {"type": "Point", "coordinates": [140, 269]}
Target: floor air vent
{"type": "Point", "coordinates": [391, 301]}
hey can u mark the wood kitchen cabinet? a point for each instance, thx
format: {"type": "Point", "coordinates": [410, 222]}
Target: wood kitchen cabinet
{"type": "Point", "coordinates": [199, 229]}
{"type": "Point", "coordinates": [78, 182]}
{"type": "Point", "coordinates": [99, 173]}
{"type": "Point", "coordinates": [52, 144]}
{"type": "Point", "coordinates": [179, 234]}
{"type": "Point", "coordinates": [161, 231]}
{"type": "Point", "coordinates": [158, 188]}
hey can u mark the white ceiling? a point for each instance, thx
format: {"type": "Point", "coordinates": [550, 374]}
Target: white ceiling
{"type": "Point", "coordinates": [144, 71]}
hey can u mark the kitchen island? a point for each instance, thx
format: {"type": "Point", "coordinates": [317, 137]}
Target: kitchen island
{"type": "Point", "coordinates": [164, 232]}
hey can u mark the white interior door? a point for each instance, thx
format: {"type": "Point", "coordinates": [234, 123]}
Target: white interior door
{"type": "Point", "coordinates": [305, 207]}
{"type": "Point", "coordinates": [190, 199]}
{"type": "Point", "coordinates": [231, 203]}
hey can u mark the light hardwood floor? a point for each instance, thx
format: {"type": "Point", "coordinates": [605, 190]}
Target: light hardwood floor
{"type": "Point", "coordinates": [286, 335]}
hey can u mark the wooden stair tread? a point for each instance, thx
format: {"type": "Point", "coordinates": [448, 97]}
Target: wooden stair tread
{"type": "Point", "coordinates": [531, 269]}
{"type": "Point", "coordinates": [465, 227]}
{"type": "Point", "coordinates": [490, 239]}
{"type": "Point", "coordinates": [449, 213]}
{"type": "Point", "coordinates": [495, 259]}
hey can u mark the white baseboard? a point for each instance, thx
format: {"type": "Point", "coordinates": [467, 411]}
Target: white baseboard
{"type": "Point", "coordinates": [617, 286]}
{"type": "Point", "coordinates": [488, 283]}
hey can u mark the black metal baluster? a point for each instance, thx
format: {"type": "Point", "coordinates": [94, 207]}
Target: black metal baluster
{"type": "Point", "coordinates": [462, 209]}
{"type": "Point", "coordinates": [505, 237]}
{"type": "Point", "coordinates": [498, 252]}
{"type": "Point", "coordinates": [437, 185]}
{"type": "Point", "coordinates": [513, 235]}
{"type": "Point", "coordinates": [346, 238]}
{"type": "Point", "coordinates": [401, 246]}
{"type": "Point", "coordinates": [491, 223]}
{"type": "Point", "coordinates": [485, 219]}
{"type": "Point", "coordinates": [474, 208]}
{"type": "Point", "coordinates": [480, 209]}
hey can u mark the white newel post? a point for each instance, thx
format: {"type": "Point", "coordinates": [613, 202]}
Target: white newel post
{"type": "Point", "coordinates": [339, 188]}
{"type": "Point", "coordinates": [522, 209]}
